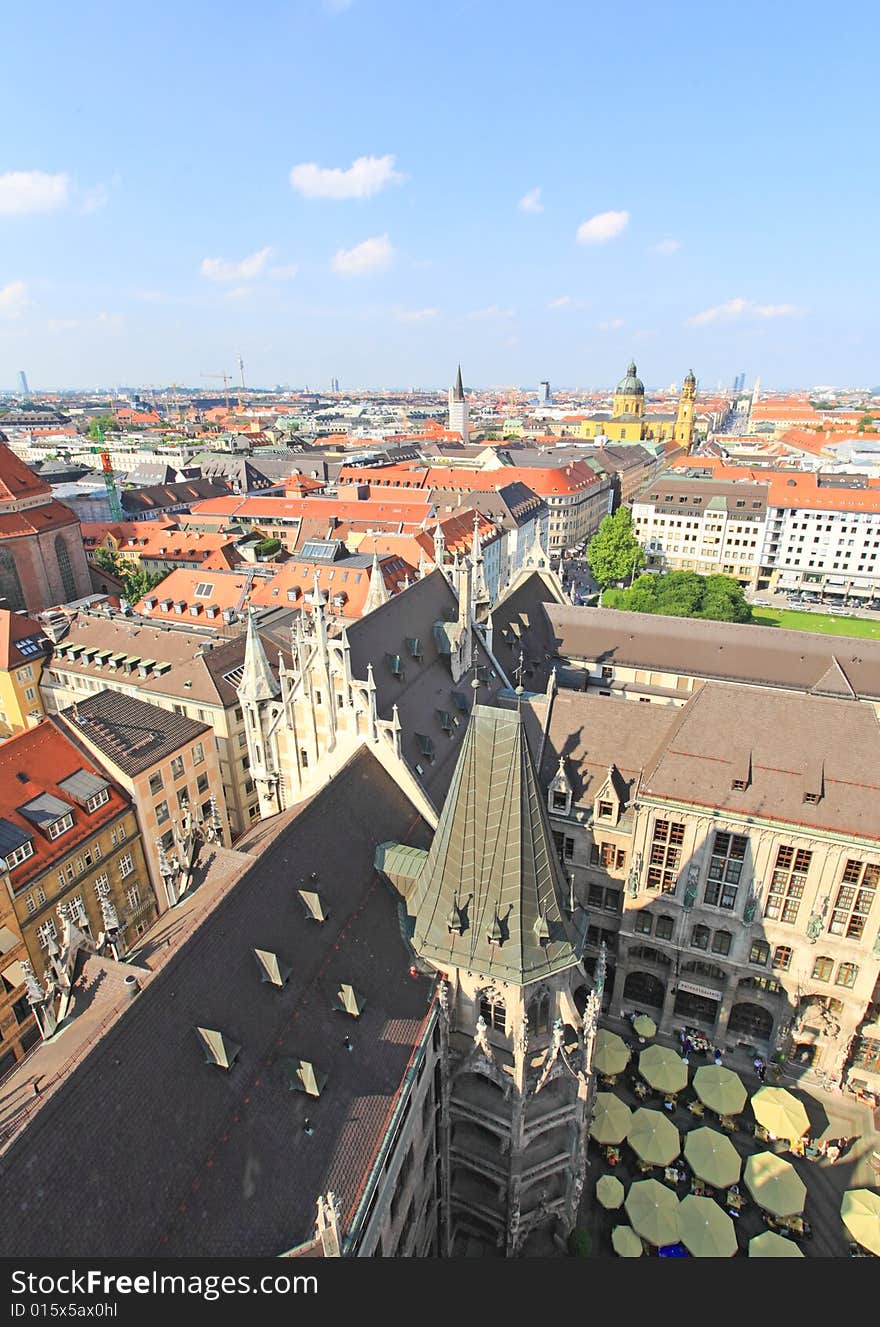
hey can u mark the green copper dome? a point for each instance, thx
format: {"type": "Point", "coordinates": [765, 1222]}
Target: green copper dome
{"type": "Point", "coordinates": [690, 380]}
{"type": "Point", "coordinates": [631, 385]}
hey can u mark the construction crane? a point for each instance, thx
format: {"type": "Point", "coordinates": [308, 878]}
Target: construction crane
{"type": "Point", "coordinates": [226, 379]}
{"type": "Point", "coordinates": [109, 480]}
{"type": "Point", "coordinates": [241, 371]}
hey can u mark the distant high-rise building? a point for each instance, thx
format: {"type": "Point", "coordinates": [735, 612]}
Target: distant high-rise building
{"type": "Point", "coordinates": [334, 384]}
{"type": "Point", "coordinates": [458, 410]}
{"type": "Point", "coordinates": [23, 383]}
{"type": "Point", "coordinates": [544, 394]}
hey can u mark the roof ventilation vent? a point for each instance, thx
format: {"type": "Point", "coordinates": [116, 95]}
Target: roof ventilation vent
{"type": "Point", "coordinates": [348, 1001]}
{"type": "Point", "coordinates": [270, 967]}
{"type": "Point", "coordinates": [218, 1049]}
{"type": "Point", "coordinates": [304, 1077]}
{"type": "Point", "coordinates": [313, 906]}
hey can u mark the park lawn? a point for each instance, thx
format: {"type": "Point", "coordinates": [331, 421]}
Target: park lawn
{"type": "Point", "coordinates": [822, 622]}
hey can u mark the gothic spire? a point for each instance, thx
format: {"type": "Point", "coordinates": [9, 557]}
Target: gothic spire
{"type": "Point", "coordinates": [458, 389]}
{"type": "Point", "coordinates": [258, 682]}
{"type": "Point", "coordinates": [378, 591]}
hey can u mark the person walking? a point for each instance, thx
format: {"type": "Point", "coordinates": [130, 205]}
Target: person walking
{"type": "Point", "coordinates": [760, 1067]}
{"type": "Point", "coordinates": [717, 1055]}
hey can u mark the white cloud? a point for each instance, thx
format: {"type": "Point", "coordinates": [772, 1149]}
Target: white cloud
{"type": "Point", "coordinates": [416, 315]}
{"type": "Point", "coordinates": [372, 255]}
{"type": "Point", "coordinates": [562, 302]}
{"type": "Point", "coordinates": [666, 247]}
{"type": "Point", "coordinates": [365, 176]}
{"type": "Point", "coordinates": [611, 325]}
{"type": "Point", "coordinates": [218, 269]}
{"type": "Point", "coordinates": [23, 192]}
{"type": "Point", "coordinates": [742, 308]}
{"type": "Point", "coordinates": [531, 202]}
{"type": "Point", "coordinates": [285, 273]}
{"type": "Point", "coordinates": [14, 299]}
{"type": "Point", "coordinates": [492, 311]}
{"type": "Point", "coordinates": [602, 227]}
{"type": "Point", "coordinates": [93, 200]}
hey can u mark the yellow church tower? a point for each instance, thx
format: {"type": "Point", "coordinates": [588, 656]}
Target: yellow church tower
{"type": "Point", "coordinates": [629, 395]}
{"type": "Point", "coordinates": [684, 420]}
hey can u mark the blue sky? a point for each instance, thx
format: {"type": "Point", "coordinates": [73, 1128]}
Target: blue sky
{"type": "Point", "coordinates": [706, 177]}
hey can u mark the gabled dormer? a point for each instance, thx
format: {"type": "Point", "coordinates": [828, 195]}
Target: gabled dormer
{"type": "Point", "coordinates": [610, 800]}
{"type": "Point", "coordinates": [559, 792]}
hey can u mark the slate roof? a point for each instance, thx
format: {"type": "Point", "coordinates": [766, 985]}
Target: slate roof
{"type": "Point", "coordinates": [726, 651]}
{"type": "Point", "coordinates": [493, 865]}
{"type": "Point", "coordinates": [426, 688]}
{"type": "Point", "coordinates": [130, 732]}
{"type": "Point", "coordinates": [146, 1150]}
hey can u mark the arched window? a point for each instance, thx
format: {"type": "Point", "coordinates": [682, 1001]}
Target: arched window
{"type": "Point", "coordinates": [700, 937]}
{"type": "Point", "coordinates": [752, 1020]}
{"type": "Point", "coordinates": [67, 578]}
{"type": "Point", "coordinates": [11, 593]}
{"type": "Point", "coordinates": [822, 968]}
{"type": "Point", "coordinates": [493, 1011]}
{"type": "Point", "coordinates": [846, 974]}
{"type": "Point", "coordinates": [539, 1013]}
{"type": "Point", "coordinates": [643, 988]}
{"type": "Point", "coordinates": [651, 955]}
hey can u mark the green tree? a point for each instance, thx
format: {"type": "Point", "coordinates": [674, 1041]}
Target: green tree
{"type": "Point", "coordinates": [107, 560]}
{"type": "Point", "coordinates": [138, 583]}
{"type": "Point", "coordinates": [614, 553]}
{"type": "Point", "coordinates": [100, 425]}
{"type": "Point", "coordinates": [683, 594]}
{"type": "Point", "coordinates": [865, 422]}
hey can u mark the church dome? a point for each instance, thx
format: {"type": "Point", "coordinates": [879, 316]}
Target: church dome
{"type": "Point", "coordinates": [631, 385]}
{"type": "Point", "coordinates": [690, 380]}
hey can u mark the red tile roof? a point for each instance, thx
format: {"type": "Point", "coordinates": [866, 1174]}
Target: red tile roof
{"type": "Point", "coordinates": [36, 762]}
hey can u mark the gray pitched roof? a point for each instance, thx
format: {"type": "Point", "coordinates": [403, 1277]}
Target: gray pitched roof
{"type": "Point", "coordinates": [492, 870]}
{"type": "Point", "coordinates": [192, 1161]}
{"type": "Point", "coordinates": [132, 733]}
{"type": "Point", "coordinates": [258, 682]}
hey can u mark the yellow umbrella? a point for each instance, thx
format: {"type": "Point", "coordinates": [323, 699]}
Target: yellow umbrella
{"type": "Point", "coordinates": [654, 1138]}
{"type": "Point", "coordinates": [611, 1054]}
{"type": "Point", "coordinates": [704, 1229]}
{"type": "Point", "coordinates": [663, 1069]}
{"type": "Point", "coordinates": [775, 1184]}
{"type": "Point", "coordinates": [713, 1157]}
{"type": "Point", "coordinates": [720, 1089]}
{"type": "Point", "coordinates": [653, 1212]}
{"type": "Point", "coordinates": [780, 1113]}
{"type": "Point", "coordinates": [860, 1210]}
{"type": "Point", "coordinates": [771, 1245]}
{"type": "Point", "coordinates": [611, 1118]}
{"type": "Point", "coordinates": [626, 1242]}
{"type": "Point", "coordinates": [643, 1026]}
{"type": "Point", "coordinates": [610, 1191]}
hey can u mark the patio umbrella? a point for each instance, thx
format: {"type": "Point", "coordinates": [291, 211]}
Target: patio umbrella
{"type": "Point", "coordinates": [704, 1229]}
{"type": "Point", "coordinates": [663, 1069]}
{"type": "Point", "coordinates": [609, 1192]}
{"type": "Point", "coordinates": [720, 1089]}
{"type": "Point", "coordinates": [780, 1113]}
{"type": "Point", "coordinates": [860, 1210]}
{"type": "Point", "coordinates": [771, 1245]}
{"type": "Point", "coordinates": [611, 1055]}
{"type": "Point", "coordinates": [713, 1157]}
{"type": "Point", "coordinates": [611, 1118]}
{"type": "Point", "coordinates": [654, 1138]}
{"type": "Point", "coordinates": [626, 1242]}
{"type": "Point", "coordinates": [775, 1184]}
{"type": "Point", "coordinates": [653, 1212]}
{"type": "Point", "coordinates": [643, 1026]}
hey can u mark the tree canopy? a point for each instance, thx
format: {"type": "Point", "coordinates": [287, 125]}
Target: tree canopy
{"type": "Point", "coordinates": [101, 424]}
{"type": "Point", "coordinates": [614, 553]}
{"type": "Point", "coordinates": [683, 594]}
{"type": "Point", "coordinates": [136, 582]}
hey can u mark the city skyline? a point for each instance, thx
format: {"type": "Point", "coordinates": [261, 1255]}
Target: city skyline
{"type": "Point", "coordinates": [649, 185]}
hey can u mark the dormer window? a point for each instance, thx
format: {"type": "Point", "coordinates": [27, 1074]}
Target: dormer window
{"type": "Point", "coordinates": [99, 799]}
{"type": "Point", "coordinates": [16, 846]}
{"type": "Point", "coordinates": [60, 826]}
{"type": "Point", "coordinates": [605, 810]}
{"type": "Point", "coordinates": [560, 799]}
